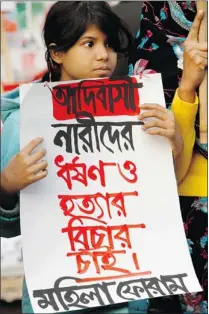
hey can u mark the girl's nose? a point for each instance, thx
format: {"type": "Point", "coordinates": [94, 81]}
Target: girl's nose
{"type": "Point", "coordinates": [102, 53]}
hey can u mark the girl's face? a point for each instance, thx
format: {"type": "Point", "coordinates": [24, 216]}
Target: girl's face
{"type": "Point", "coordinates": [90, 57]}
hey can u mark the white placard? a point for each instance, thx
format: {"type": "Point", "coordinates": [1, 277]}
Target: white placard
{"type": "Point", "coordinates": [104, 226]}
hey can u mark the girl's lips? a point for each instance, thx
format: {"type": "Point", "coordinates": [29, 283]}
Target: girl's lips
{"type": "Point", "coordinates": [103, 68]}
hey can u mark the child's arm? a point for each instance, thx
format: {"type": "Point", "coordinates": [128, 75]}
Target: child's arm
{"type": "Point", "coordinates": [24, 168]}
{"type": "Point", "coordinates": [185, 103]}
{"type": "Point", "coordinates": [18, 171]}
{"type": "Point", "coordinates": [185, 113]}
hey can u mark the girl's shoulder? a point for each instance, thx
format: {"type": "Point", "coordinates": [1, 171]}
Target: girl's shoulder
{"type": "Point", "coordinates": [10, 130]}
{"type": "Point", "coordinates": [9, 102]}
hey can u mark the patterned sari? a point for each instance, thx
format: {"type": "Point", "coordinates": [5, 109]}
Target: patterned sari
{"type": "Point", "coordinates": [159, 48]}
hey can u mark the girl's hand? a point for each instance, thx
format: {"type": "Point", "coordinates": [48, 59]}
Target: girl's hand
{"type": "Point", "coordinates": [163, 123]}
{"type": "Point", "coordinates": [195, 57]}
{"type": "Point", "coordinates": [24, 168]}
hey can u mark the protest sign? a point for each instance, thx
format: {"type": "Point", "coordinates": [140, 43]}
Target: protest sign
{"type": "Point", "coordinates": [104, 226]}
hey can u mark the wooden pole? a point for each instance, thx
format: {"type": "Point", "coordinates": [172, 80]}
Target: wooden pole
{"type": "Point", "coordinates": [203, 88]}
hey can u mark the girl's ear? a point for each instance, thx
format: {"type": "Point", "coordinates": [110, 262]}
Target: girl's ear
{"type": "Point", "coordinates": [56, 56]}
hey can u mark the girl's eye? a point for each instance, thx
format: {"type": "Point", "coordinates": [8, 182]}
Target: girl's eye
{"type": "Point", "coordinates": [89, 44]}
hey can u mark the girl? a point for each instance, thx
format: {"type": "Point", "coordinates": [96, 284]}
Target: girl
{"type": "Point", "coordinates": [82, 40]}
{"type": "Point", "coordinates": [164, 28]}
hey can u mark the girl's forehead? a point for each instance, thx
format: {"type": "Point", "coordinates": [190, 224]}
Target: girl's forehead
{"type": "Point", "coordinates": [93, 31]}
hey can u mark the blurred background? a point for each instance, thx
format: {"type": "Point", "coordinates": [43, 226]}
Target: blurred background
{"type": "Point", "coordinates": [22, 61]}
{"type": "Point", "coordinates": [22, 49]}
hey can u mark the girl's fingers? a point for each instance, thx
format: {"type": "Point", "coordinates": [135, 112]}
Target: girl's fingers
{"type": "Point", "coordinates": [32, 145]}
{"type": "Point", "coordinates": [160, 131]}
{"type": "Point", "coordinates": [194, 30]}
{"type": "Point", "coordinates": [204, 62]}
{"type": "Point", "coordinates": [38, 167]}
{"type": "Point", "coordinates": [38, 176]}
{"type": "Point", "coordinates": [37, 156]}
{"type": "Point", "coordinates": [154, 114]}
{"type": "Point", "coordinates": [200, 54]}
{"type": "Point", "coordinates": [200, 62]}
{"type": "Point", "coordinates": [203, 65]}
{"type": "Point", "coordinates": [203, 46]}
{"type": "Point", "coordinates": [191, 45]}
{"type": "Point", "coordinates": [153, 124]}
{"type": "Point", "coordinates": [152, 107]}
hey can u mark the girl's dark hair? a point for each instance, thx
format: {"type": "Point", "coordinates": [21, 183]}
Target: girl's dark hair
{"type": "Point", "coordinates": [66, 21]}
